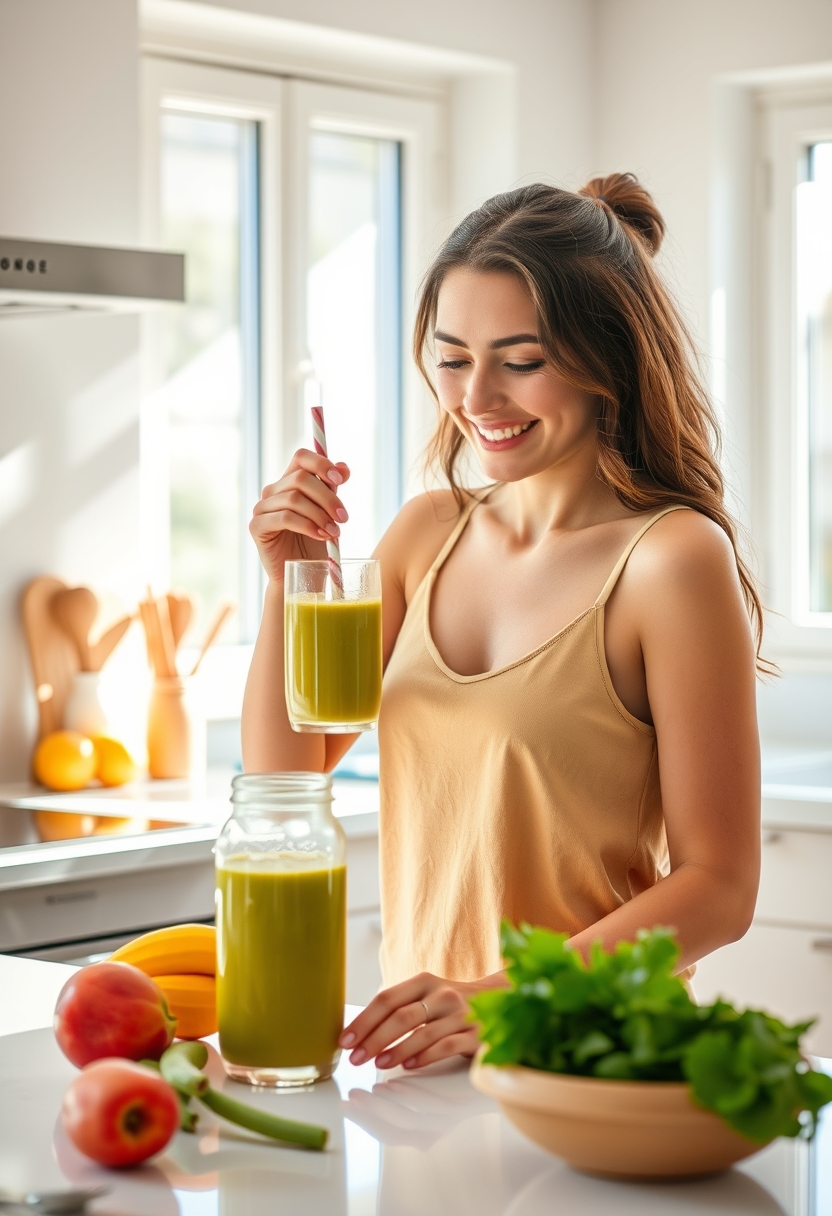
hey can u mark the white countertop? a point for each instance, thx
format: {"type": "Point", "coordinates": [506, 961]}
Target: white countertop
{"type": "Point", "coordinates": [196, 811]}
{"type": "Point", "coordinates": [415, 1145]}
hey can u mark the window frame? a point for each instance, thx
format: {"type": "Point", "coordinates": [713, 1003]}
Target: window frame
{"type": "Point", "coordinates": [199, 89]}
{"type": "Point", "coordinates": [788, 126]}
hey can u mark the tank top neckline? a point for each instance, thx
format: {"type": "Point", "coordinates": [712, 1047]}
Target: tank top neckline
{"type": "Point", "coordinates": [597, 605]}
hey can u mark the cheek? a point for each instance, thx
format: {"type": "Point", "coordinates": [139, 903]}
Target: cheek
{"type": "Point", "coordinates": [449, 390]}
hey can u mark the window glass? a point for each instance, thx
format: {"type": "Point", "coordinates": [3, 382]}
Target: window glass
{"type": "Point", "coordinates": [354, 320]}
{"type": "Point", "coordinates": [814, 271]}
{"type": "Point", "coordinates": [210, 356]}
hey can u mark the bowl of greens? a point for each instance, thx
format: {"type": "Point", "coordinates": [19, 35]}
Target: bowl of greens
{"type": "Point", "coordinates": [611, 1065]}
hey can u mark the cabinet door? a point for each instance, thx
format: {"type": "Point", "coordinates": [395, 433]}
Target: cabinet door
{"type": "Point", "coordinates": [794, 883]}
{"type": "Point", "coordinates": [363, 970]}
{"type": "Point", "coordinates": [362, 874]}
{"type": "Point", "coordinates": [787, 972]}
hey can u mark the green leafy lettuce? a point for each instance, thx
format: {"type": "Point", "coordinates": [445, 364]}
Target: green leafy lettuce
{"type": "Point", "coordinates": [625, 1015]}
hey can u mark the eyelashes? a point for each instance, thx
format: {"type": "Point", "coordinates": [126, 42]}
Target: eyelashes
{"type": "Point", "coordinates": [521, 369]}
{"type": "Point", "coordinates": [525, 368]}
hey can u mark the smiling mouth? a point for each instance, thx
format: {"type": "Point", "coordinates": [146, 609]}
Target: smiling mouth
{"type": "Point", "coordinates": [499, 433]}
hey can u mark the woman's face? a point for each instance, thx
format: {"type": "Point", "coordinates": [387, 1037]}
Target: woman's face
{"type": "Point", "coordinates": [494, 380]}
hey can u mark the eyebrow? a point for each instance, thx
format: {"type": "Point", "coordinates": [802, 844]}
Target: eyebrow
{"type": "Point", "coordinates": [497, 344]}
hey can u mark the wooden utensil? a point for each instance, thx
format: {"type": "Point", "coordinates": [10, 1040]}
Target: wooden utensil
{"type": "Point", "coordinates": [157, 654]}
{"type": "Point", "coordinates": [165, 632]}
{"type": "Point", "coordinates": [222, 615]}
{"type": "Point", "coordinates": [53, 657]}
{"type": "Point", "coordinates": [75, 610]}
{"type": "Point", "coordinates": [181, 611]}
{"type": "Point", "coordinates": [101, 650]}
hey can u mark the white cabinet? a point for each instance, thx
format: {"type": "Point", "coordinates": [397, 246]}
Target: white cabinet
{"type": "Point", "coordinates": [363, 920]}
{"type": "Point", "coordinates": [784, 962]}
{"type": "Point", "coordinates": [363, 970]}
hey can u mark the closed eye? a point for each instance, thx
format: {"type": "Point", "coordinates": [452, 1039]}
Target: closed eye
{"type": "Point", "coordinates": [522, 368]}
{"type": "Point", "coordinates": [452, 364]}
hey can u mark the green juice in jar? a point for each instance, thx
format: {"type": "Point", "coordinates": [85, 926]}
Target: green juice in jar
{"type": "Point", "coordinates": [281, 961]}
{"type": "Point", "coordinates": [333, 661]}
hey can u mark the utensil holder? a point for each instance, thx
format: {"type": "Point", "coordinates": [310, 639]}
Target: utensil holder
{"type": "Point", "coordinates": [83, 710]}
{"type": "Point", "coordinates": [175, 734]}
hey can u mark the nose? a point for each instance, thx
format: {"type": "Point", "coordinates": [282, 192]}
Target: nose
{"type": "Point", "coordinates": [480, 396]}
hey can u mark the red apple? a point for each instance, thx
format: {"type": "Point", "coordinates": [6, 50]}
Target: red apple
{"type": "Point", "coordinates": [112, 1009]}
{"type": "Point", "coordinates": [119, 1113]}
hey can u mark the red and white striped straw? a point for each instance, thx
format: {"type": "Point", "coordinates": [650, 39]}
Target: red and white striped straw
{"type": "Point", "coordinates": [333, 552]}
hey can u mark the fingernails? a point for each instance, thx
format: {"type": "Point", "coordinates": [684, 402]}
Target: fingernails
{"type": "Point", "coordinates": [410, 1063]}
{"type": "Point", "coordinates": [384, 1059]}
{"type": "Point", "coordinates": [342, 515]}
{"type": "Point", "coordinates": [347, 1039]}
{"type": "Point", "coordinates": [333, 529]}
{"type": "Point", "coordinates": [335, 477]}
{"type": "Point", "coordinates": [358, 1056]}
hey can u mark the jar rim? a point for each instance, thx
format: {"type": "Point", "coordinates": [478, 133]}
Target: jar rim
{"type": "Point", "coordinates": [279, 787]}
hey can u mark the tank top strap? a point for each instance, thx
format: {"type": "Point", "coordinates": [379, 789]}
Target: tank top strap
{"type": "Point", "coordinates": [623, 559]}
{"type": "Point", "coordinates": [464, 515]}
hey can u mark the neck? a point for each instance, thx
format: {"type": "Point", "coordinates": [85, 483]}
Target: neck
{"type": "Point", "coordinates": [565, 497]}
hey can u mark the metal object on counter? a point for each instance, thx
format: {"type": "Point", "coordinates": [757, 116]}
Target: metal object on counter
{"type": "Point", "coordinates": [50, 1203]}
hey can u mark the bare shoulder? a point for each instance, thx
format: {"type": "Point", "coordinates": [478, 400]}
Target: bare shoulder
{"type": "Point", "coordinates": [415, 537]}
{"type": "Point", "coordinates": [682, 548]}
{"type": "Point", "coordinates": [682, 583]}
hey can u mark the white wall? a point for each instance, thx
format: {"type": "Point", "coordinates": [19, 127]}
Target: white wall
{"type": "Point", "coordinates": [69, 404]}
{"type": "Point", "coordinates": [548, 41]}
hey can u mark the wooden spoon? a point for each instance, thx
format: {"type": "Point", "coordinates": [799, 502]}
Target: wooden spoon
{"type": "Point", "coordinates": [75, 610]}
{"type": "Point", "coordinates": [223, 613]}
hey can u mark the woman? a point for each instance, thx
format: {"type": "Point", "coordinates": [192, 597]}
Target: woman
{"type": "Point", "coordinates": [568, 732]}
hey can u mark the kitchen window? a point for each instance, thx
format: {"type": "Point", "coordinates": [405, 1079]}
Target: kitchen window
{"type": "Point", "coordinates": [795, 328]}
{"type": "Point", "coordinates": [306, 213]}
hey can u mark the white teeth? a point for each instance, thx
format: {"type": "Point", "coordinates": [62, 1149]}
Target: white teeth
{"type": "Point", "coordinates": [496, 436]}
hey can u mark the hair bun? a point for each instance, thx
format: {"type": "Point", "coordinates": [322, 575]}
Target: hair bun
{"type": "Point", "coordinates": [631, 203]}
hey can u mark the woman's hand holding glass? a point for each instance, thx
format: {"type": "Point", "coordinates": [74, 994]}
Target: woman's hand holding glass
{"type": "Point", "coordinates": [296, 514]}
{"type": "Point", "coordinates": [430, 1012]}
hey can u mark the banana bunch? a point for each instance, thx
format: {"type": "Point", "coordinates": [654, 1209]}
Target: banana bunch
{"type": "Point", "coordinates": [182, 961]}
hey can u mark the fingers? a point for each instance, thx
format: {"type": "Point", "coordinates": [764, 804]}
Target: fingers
{"type": "Point", "coordinates": [397, 1012]}
{"type": "Point", "coordinates": [430, 1042]}
{"type": "Point", "coordinates": [406, 1018]}
{"type": "Point", "coordinates": [385, 1005]}
{"type": "Point", "coordinates": [262, 527]}
{"type": "Point", "coordinates": [460, 1043]}
{"type": "Point", "coordinates": [303, 501]}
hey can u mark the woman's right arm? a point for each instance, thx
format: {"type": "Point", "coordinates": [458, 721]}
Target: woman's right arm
{"type": "Point", "coordinates": [290, 523]}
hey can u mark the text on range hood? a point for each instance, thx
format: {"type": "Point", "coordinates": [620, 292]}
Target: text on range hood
{"type": "Point", "coordinates": [41, 276]}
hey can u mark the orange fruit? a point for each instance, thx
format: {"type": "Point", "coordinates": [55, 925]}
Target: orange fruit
{"type": "Point", "coordinates": [114, 764]}
{"type": "Point", "coordinates": [64, 760]}
{"type": "Point", "coordinates": [63, 825]}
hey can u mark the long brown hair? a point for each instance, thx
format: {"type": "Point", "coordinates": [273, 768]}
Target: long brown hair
{"type": "Point", "coordinates": [609, 326]}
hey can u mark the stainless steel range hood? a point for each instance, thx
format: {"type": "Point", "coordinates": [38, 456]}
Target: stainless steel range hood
{"type": "Point", "coordinates": [43, 277]}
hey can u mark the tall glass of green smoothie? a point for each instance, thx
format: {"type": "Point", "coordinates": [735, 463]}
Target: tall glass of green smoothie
{"type": "Point", "coordinates": [281, 930]}
{"type": "Point", "coordinates": [333, 646]}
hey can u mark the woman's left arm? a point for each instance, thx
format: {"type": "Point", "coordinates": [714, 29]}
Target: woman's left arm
{"type": "Point", "coordinates": [682, 591]}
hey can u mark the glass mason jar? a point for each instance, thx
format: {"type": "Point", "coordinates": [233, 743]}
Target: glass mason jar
{"type": "Point", "coordinates": [281, 930]}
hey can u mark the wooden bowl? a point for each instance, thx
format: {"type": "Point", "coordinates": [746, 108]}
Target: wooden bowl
{"type": "Point", "coordinates": [618, 1129]}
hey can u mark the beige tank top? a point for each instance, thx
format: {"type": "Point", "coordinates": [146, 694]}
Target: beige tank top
{"type": "Point", "coordinates": [528, 793]}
